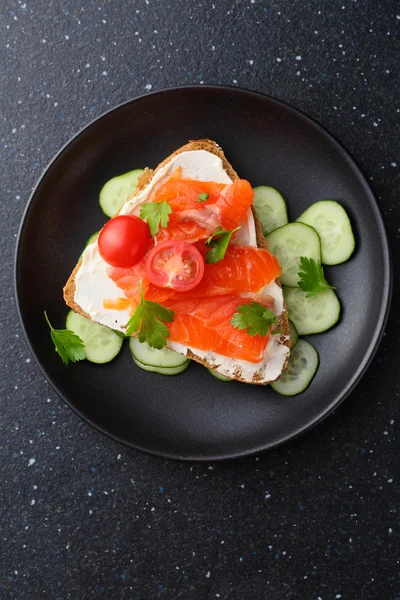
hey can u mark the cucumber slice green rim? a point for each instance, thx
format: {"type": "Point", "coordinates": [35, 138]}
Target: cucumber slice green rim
{"type": "Point", "coordinates": [271, 208]}
{"type": "Point", "coordinates": [288, 244]}
{"type": "Point", "coordinates": [333, 226]}
{"type": "Point", "coordinates": [294, 336]}
{"type": "Point", "coordinates": [312, 315]}
{"type": "Point", "coordinates": [300, 370]}
{"type": "Point", "coordinates": [152, 357]}
{"type": "Point", "coordinates": [219, 376]}
{"type": "Point", "coordinates": [90, 240]}
{"type": "Point", "coordinates": [101, 344]}
{"type": "Point", "coordinates": [162, 370]}
{"type": "Point", "coordinates": [117, 190]}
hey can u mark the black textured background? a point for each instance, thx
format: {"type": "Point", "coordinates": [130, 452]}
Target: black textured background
{"type": "Point", "coordinates": [81, 517]}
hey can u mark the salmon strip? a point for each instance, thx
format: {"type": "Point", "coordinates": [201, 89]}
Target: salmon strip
{"type": "Point", "coordinates": [191, 219]}
{"type": "Point", "coordinates": [205, 323]}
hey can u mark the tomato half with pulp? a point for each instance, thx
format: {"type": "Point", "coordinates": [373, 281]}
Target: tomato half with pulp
{"type": "Point", "coordinates": [175, 264]}
{"type": "Point", "coordinates": [124, 240]}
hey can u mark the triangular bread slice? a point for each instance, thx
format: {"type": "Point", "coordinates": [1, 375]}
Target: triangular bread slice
{"type": "Point", "coordinates": [240, 371]}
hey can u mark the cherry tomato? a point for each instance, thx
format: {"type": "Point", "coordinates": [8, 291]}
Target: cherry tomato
{"type": "Point", "coordinates": [175, 264]}
{"type": "Point", "coordinates": [124, 240]}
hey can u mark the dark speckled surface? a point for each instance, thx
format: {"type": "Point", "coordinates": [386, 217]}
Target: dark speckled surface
{"type": "Point", "coordinates": [81, 517]}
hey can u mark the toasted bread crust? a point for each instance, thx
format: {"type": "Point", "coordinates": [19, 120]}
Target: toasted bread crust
{"type": "Point", "coordinates": [144, 180]}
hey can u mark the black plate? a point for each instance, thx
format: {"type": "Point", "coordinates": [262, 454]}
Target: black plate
{"type": "Point", "coordinates": [195, 416]}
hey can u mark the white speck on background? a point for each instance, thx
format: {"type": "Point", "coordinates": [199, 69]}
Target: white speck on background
{"type": "Point", "coordinates": [393, 164]}
{"type": "Point", "coordinates": [298, 57]}
{"type": "Point", "coordinates": [31, 462]}
{"type": "Point", "coordinates": [148, 86]}
{"type": "Point", "coordinates": [32, 502]}
{"type": "Point", "coordinates": [208, 574]}
{"type": "Point", "coordinates": [278, 60]}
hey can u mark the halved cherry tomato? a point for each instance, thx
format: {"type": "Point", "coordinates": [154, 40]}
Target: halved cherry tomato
{"type": "Point", "coordinates": [175, 264]}
{"type": "Point", "coordinates": [124, 240]}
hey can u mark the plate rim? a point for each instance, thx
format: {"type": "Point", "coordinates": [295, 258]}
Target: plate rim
{"type": "Point", "coordinates": [380, 323]}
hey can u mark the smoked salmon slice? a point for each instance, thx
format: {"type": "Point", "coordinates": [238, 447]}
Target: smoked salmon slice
{"type": "Point", "coordinates": [243, 269]}
{"type": "Point", "coordinates": [199, 207]}
{"type": "Point", "coordinates": [205, 324]}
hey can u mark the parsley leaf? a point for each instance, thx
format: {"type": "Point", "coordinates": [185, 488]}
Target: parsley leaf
{"type": "Point", "coordinates": [66, 343]}
{"type": "Point", "coordinates": [219, 242]}
{"type": "Point", "coordinates": [312, 278]}
{"type": "Point", "coordinates": [255, 318]}
{"type": "Point", "coordinates": [203, 197]}
{"type": "Point", "coordinates": [149, 320]}
{"type": "Point", "coordinates": [156, 214]}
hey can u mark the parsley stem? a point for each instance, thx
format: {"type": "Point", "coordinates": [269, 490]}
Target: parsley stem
{"type": "Point", "coordinates": [47, 319]}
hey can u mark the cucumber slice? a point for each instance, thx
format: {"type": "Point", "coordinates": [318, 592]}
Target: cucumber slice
{"type": "Point", "coordinates": [153, 357]}
{"type": "Point", "coordinates": [219, 376]}
{"type": "Point", "coordinates": [333, 226]}
{"type": "Point", "coordinates": [101, 343]}
{"type": "Point", "coordinates": [301, 368]}
{"type": "Point", "coordinates": [115, 192]}
{"type": "Point", "coordinates": [90, 240]}
{"type": "Point", "coordinates": [271, 208]}
{"type": "Point", "coordinates": [312, 315]}
{"type": "Point", "coordinates": [294, 336]}
{"type": "Point", "coordinates": [162, 370]}
{"type": "Point", "coordinates": [288, 244]}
